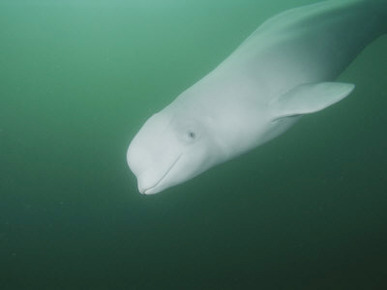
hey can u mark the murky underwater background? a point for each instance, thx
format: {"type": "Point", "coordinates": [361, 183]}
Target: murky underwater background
{"type": "Point", "coordinates": [78, 78]}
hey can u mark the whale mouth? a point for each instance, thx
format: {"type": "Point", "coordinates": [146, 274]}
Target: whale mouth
{"type": "Point", "coordinates": [155, 188]}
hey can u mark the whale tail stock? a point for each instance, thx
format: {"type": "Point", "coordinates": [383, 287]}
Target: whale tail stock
{"type": "Point", "coordinates": [382, 10]}
{"type": "Point", "coordinates": [384, 17]}
{"type": "Point", "coordinates": [313, 97]}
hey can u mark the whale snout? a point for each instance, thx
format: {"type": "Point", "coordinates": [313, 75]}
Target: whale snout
{"type": "Point", "coordinates": [152, 181]}
{"type": "Point", "coordinates": [147, 185]}
{"type": "Point", "coordinates": [147, 179]}
{"type": "Point", "coordinates": [152, 171]}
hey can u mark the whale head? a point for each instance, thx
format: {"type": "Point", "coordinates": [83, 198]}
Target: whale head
{"type": "Point", "coordinates": [170, 149]}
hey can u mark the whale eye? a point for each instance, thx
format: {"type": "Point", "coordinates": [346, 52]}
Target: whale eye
{"type": "Point", "coordinates": [190, 136]}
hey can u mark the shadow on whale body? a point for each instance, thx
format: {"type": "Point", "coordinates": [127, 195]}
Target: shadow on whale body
{"type": "Point", "coordinates": [283, 71]}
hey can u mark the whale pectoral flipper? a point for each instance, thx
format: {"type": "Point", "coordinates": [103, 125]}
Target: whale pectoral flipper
{"type": "Point", "coordinates": [310, 98]}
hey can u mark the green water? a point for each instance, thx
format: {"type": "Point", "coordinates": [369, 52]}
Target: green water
{"type": "Point", "coordinates": [78, 79]}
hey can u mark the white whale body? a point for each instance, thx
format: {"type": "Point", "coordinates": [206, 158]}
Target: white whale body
{"type": "Point", "coordinates": [284, 70]}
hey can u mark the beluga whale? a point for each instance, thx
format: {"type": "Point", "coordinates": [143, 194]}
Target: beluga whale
{"type": "Point", "coordinates": [284, 70]}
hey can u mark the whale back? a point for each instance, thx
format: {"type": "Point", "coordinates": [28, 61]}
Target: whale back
{"type": "Point", "coordinates": [308, 44]}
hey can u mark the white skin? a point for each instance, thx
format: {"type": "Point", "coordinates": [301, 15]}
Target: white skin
{"type": "Point", "coordinates": [282, 71]}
